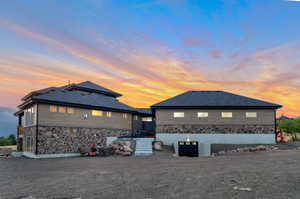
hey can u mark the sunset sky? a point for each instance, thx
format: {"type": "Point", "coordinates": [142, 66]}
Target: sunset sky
{"type": "Point", "coordinates": [152, 50]}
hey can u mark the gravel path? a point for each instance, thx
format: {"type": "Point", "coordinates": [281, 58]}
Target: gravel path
{"type": "Point", "coordinates": [274, 175]}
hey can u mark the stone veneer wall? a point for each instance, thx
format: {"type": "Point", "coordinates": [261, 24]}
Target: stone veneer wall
{"type": "Point", "coordinates": [55, 140]}
{"type": "Point", "coordinates": [29, 145]}
{"type": "Point", "coordinates": [216, 129]}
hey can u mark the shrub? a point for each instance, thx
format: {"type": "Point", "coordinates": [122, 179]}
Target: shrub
{"type": "Point", "coordinates": [10, 140]}
{"type": "Point", "coordinates": [290, 126]}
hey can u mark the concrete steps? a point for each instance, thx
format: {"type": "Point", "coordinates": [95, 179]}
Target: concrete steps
{"type": "Point", "coordinates": [143, 147]}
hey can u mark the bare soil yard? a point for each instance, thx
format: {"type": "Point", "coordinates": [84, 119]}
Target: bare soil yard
{"type": "Point", "coordinates": [273, 174]}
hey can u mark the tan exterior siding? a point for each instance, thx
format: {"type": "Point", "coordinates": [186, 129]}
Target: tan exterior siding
{"type": "Point", "coordinates": [116, 121]}
{"type": "Point", "coordinates": [165, 117]}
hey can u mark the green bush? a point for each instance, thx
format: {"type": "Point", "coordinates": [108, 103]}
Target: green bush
{"type": "Point", "coordinates": [290, 126]}
{"type": "Point", "coordinates": [10, 140]}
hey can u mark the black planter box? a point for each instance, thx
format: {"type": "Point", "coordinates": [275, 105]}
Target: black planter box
{"type": "Point", "coordinates": [188, 148]}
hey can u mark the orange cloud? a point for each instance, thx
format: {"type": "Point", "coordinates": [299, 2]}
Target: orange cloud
{"type": "Point", "coordinates": [146, 78]}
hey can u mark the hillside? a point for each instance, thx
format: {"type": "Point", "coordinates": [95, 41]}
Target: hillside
{"type": "Point", "coordinates": [8, 121]}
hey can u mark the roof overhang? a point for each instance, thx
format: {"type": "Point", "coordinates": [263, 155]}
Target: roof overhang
{"type": "Point", "coordinates": [216, 107]}
{"type": "Point", "coordinates": [83, 106]}
{"type": "Point", "coordinates": [112, 93]}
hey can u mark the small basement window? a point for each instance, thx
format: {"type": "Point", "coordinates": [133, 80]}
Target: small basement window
{"type": "Point", "coordinates": [226, 114]}
{"type": "Point", "coordinates": [202, 114]}
{"type": "Point", "coordinates": [70, 110]}
{"type": "Point", "coordinates": [53, 108]}
{"type": "Point", "coordinates": [61, 109]}
{"type": "Point", "coordinates": [108, 114]}
{"type": "Point", "coordinates": [97, 113]}
{"type": "Point", "coordinates": [178, 114]}
{"type": "Point", "coordinates": [251, 114]}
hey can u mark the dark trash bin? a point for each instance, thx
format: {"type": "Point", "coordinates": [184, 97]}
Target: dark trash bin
{"type": "Point", "coordinates": [188, 148]}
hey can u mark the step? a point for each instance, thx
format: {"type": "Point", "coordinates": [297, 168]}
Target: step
{"type": "Point", "coordinates": [142, 154]}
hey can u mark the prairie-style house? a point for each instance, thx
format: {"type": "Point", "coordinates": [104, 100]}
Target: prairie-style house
{"type": "Point", "coordinates": [63, 120]}
{"type": "Point", "coordinates": [59, 121]}
{"type": "Point", "coordinates": [215, 117]}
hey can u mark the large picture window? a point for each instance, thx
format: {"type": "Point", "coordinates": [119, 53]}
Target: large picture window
{"type": "Point", "coordinates": [30, 116]}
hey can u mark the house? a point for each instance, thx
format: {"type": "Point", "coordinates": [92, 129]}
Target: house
{"type": "Point", "coordinates": [59, 121]}
{"type": "Point", "coordinates": [215, 117]}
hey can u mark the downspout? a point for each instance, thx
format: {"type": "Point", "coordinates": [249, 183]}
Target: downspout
{"type": "Point", "coordinates": [275, 119]}
{"type": "Point", "coordinates": [132, 116]}
{"type": "Point", "coordinates": [37, 129]}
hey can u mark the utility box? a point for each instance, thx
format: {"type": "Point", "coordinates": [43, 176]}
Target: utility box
{"type": "Point", "coordinates": [188, 148]}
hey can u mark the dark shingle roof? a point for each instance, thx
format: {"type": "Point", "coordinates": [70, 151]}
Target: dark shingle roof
{"type": "Point", "coordinates": [61, 95]}
{"type": "Point", "coordinates": [85, 94]}
{"type": "Point", "coordinates": [90, 86]}
{"type": "Point", "coordinates": [213, 99]}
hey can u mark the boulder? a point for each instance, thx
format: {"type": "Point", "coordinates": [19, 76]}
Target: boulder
{"type": "Point", "coordinates": [158, 146]}
{"type": "Point", "coordinates": [261, 148]}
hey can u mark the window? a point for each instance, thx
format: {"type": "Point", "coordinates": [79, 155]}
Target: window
{"type": "Point", "coordinates": [53, 108]}
{"type": "Point", "coordinates": [70, 110]}
{"type": "Point", "coordinates": [147, 119]}
{"type": "Point", "coordinates": [202, 114]}
{"type": "Point", "coordinates": [108, 114]}
{"type": "Point", "coordinates": [124, 115]}
{"type": "Point", "coordinates": [136, 117]}
{"type": "Point", "coordinates": [178, 114]}
{"type": "Point", "coordinates": [30, 116]}
{"type": "Point", "coordinates": [226, 114]}
{"type": "Point", "coordinates": [251, 114]}
{"type": "Point", "coordinates": [97, 113]}
{"type": "Point", "coordinates": [61, 109]}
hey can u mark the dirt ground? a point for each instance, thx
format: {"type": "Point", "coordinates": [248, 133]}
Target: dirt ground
{"type": "Point", "coordinates": [273, 174]}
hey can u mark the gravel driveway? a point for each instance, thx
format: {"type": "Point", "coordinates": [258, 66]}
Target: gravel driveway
{"type": "Point", "coordinates": [274, 174]}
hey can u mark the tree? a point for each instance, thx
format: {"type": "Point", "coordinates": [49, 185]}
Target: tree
{"type": "Point", "coordinates": [290, 126]}
{"type": "Point", "coordinates": [12, 139]}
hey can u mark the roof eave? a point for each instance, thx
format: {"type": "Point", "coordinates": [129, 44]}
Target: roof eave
{"type": "Point", "coordinates": [217, 107]}
{"type": "Point", "coordinates": [112, 93]}
{"type": "Point", "coordinates": [83, 106]}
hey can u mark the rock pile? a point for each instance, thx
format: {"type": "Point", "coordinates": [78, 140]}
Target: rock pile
{"type": "Point", "coordinates": [124, 148]}
{"type": "Point", "coordinates": [248, 149]}
{"type": "Point", "coordinates": [106, 151]}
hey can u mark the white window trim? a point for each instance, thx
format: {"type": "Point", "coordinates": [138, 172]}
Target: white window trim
{"type": "Point", "coordinates": [178, 114]}
{"type": "Point", "coordinates": [249, 115]}
{"type": "Point", "coordinates": [202, 114]}
{"type": "Point", "coordinates": [224, 113]}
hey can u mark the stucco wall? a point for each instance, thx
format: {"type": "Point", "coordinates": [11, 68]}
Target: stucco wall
{"type": "Point", "coordinates": [116, 121]}
{"type": "Point", "coordinates": [172, 139]}
{"type": "Point", "coordinates": [264, 123]}
{"type": "Point", "coordinates": [165, 116]}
